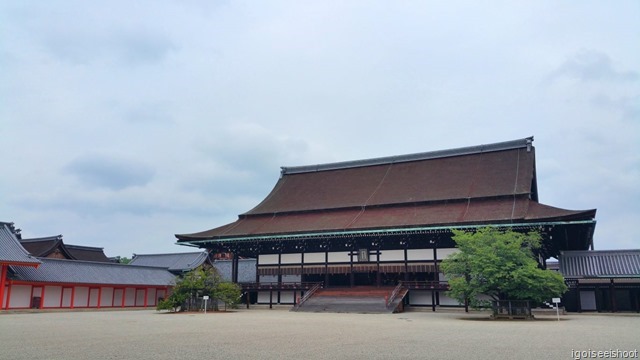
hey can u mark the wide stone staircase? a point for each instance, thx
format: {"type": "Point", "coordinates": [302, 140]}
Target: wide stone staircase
{"type": "Point", "coordinates": [361, 299]}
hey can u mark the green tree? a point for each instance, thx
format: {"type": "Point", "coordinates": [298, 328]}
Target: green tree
{"type": "Point", "coordinates": [122, 260]}
{"type": "Point", "coordinates": [500, 264]}
{"type": "Point", "coordinates": [197, 283]}
{"type": "Point", "coordinates": [229, 293]}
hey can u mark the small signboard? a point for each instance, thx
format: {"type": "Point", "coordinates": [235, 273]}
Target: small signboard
{"type": "Point", "coordinates": [206, 297]}
{"type": "Point", "coordinates": [556, 300]}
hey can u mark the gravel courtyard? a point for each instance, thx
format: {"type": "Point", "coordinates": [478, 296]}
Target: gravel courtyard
{"type": "Point", "coordinates": [260, 333]}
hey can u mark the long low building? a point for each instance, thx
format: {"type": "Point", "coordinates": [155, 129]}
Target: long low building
{"type": "Point", "coordinates": [603, 280]}
{"type": "Point", "coordinates": [49, 283]}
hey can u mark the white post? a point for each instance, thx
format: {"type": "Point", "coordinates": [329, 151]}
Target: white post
{"type": "Point", "coordinates": [206, 297]}
{"type": "Point", "coordinates": [556, 302]}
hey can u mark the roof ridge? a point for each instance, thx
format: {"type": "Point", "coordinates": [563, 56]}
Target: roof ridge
{"type": "Point", "coordinates": [175, 253]}
{"type": "Point", "coordinates": [469, 150]}
{"type": "Point", "coordinates": [101, 263]}
{"type": "Point", "coordinates": [95, 248]}
{"type": "Point", "coordinates": [42, 239]}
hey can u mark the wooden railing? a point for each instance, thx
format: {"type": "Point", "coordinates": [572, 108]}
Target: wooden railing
{"type": "Point", "coordinates": [394, 293]}
{"type": "Point", "coordinates": [426, 285]}
{"type": "Point", "coordinates": [307, 295]}
{"type": "Point", "coordinates": [277, 286]}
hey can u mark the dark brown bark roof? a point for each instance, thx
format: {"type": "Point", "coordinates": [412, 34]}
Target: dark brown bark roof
{"type": "Point", "coordinates": [43, 247]}
{"type": "Point", "coordinates": [479, 185]}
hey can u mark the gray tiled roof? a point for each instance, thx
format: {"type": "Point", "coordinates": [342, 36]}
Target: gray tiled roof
{"type": "Point", "coordinates": [10, 249]}
{"type": "Point", "coordinates": [175, 262]}
{"type": "Point", "coordinates": [602, 263]}
{"type": "Point", "coordinates": [88, 272]}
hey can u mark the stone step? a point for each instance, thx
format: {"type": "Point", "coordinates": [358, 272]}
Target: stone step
{"type": "Point", "coordinates": [366, 300]}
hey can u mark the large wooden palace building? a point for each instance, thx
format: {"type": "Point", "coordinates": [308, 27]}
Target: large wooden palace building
{"type": "Point", "coordinates": [380, 221]}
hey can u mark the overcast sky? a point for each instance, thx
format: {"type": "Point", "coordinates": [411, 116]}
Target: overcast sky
{"type": "Point", "coordinates": [125, 122]}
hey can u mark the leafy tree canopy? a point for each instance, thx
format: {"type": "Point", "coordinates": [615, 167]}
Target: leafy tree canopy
{"type": "Point", "coordinates": [199, 282]}
{"type": "Point", "coordinates": [500, 264]}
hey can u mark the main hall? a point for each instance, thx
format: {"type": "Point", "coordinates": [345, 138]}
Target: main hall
{"type": "Point", "coordinates": [378, 222]}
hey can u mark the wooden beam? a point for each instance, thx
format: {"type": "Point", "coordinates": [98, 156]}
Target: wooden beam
{"type": "Point", "coordinates": [3, 278]}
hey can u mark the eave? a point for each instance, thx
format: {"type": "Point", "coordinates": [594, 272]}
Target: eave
{"type": "Point", "coordinates": [374, 232]}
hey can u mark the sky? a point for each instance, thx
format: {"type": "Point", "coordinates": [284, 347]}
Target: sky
{"type": "Point", "coordinates": [123, 123]}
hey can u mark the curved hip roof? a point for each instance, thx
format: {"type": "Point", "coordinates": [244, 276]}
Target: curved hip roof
{"type": "Point", "coordinates": [486, 184]}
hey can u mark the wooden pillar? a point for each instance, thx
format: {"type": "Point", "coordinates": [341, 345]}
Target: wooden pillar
{"type": "Point", "coordinates": [73, 297]}
{"type": "Point", "coordinates": [9, 295]}
{"type": "Point", "coordinates": [612, 295]}
{"type": "Point", "coordinates": [270, 298]}
{"type": "Point", "coordinates": [124, 295]}
{"type": "Point", "coordinates": [598, 303]}
{"type": "Point", "coordinates": [279, 270]}
{"type": "Point", "coordinates": [302, 266]}
{"type": "Point", "coordinates": [234, 268]}
{"type": "Point", "coordinates": [435, 263]}
{"type": "Point", "coordinates": [406, 263]}
{"type": "Point", "coordinates": [351, 274]}
{"type": "Point", "coordinates": [326, 268]}
{"type": "Point", "coordinates": [248, 295]}
{"type": "Point", "coordinates": [146, 289]}
{"type": "Point", "coordinates": [3, 279]}
{"type": "Point", "coordinates": [100, 297]}
{"type": "Point", "coordinates": [579, 302]}
{"type": "Point", "coordinates": [378, 275]}
{"type": "Point", "coordinates": [42, 297]}
{"type": "Point", "coordinates": [433, 300]}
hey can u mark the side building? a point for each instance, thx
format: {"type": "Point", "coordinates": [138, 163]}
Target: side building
{"type": "Point", "coordinates": [180, 263]}
{"type": "Point", "coordinates": [379, 222]}
{"type": "Point", "coordinates": [28, 281]}
{"type": "Point", "coordinates": [602, 280]}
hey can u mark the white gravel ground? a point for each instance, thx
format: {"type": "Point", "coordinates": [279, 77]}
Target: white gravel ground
{"type": "Point", "coordinates": [261, 333]}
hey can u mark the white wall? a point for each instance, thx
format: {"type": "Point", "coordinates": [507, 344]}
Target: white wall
{"type": "Point", "coordinates": [420, 298]}
{"type": "Point", "coordinates": [291, 258]}
{"type": "Point", "coordinates": [263, 297]}
{"type": "Point", "coordinates": [106, 297]}
{"type": "Point", "coordinates": [80, 297]}
{"type": "Point", "coordinates": [117, 298]}
{"type": "Point", "coordinates": [151, 297]}
{"type": "Point", "coordinates": [268, 259]}
{"type": "Point", "coordinates": [420, 254]}
{"type": "Point", "coordinates": [93, 297]}
{"type": "Point", "coordinates": [342, 256]}
{"type": "Point", "coordinates": [130, 297]}
{"type": "Point", "coordinates": [139, 297]}
{"type": "Point", "coordinates": [52, 296]}
{"type": "Point", "coordinates": [20, 296]}
{"type": "Point", "coordinates": [66, 297]}
{"type": "Point", "coordinates": [317, 257]}
{"type": "Point", "coordinates": [286, 297]}
{"type": "Point", "coordinates": [390, 255]}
